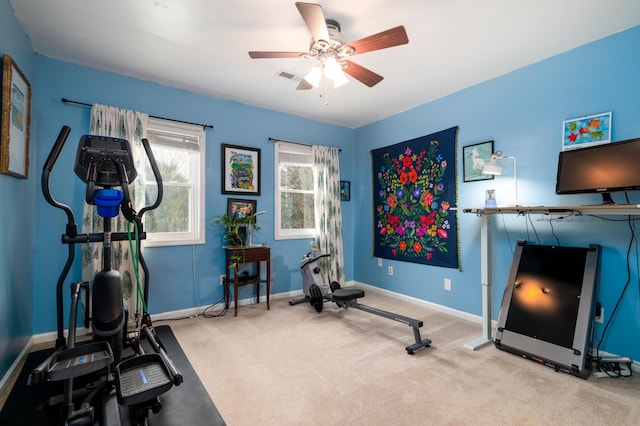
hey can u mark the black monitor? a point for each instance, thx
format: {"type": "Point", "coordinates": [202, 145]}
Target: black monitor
{"type": "Point", "coordinates": [600, 169]}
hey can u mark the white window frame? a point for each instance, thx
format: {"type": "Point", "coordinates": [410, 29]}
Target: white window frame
{"type": "Point", "coordinates": [283, 148]}
{"type": "Point", "coordinates": [196, 235]}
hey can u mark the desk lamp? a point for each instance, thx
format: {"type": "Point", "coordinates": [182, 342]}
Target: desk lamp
{"type": "Point", "coordinates": [494, 168]}
{"type": "Point", "coordinates": [250, 228]}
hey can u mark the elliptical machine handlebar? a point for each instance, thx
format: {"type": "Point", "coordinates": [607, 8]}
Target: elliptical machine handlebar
{"type": "Point", "coordinates": [308, 259]}
{"type": "Point", "coordinates": [156, 175]}
{"type": "Point", "coordinates": [72, 230]}
{"type": "Point", "coordinates": [91, 176]}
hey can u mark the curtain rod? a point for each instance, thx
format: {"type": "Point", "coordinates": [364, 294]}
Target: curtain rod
{"type": "Point", "coordinates": [204, 126]}
{"type": "Point", "coordinates": [296, 143]}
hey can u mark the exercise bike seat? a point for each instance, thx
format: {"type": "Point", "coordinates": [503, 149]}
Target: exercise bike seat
{"type": "Point", "coordinates": [347, 294]}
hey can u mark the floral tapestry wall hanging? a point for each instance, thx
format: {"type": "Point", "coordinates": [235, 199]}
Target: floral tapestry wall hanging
{"type": "Point", "coordinates": [414, 190]}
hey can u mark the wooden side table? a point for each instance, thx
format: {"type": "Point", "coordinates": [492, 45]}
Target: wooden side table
{"type": "Point", "coordinates": [235, 258]}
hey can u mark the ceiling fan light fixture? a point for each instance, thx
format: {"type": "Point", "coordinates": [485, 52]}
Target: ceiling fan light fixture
{"type": "Point", "coordinates": [340, 80]}
{"type": "Point", "coordinates": [332, 68]}
{"type": "Point", "coordinates": [332, 54]}
{"type": "Point", "coordinates": [314, 76]}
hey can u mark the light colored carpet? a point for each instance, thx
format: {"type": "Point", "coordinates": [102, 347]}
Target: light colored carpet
{"type": "Point", "coordinates": [293, 366]}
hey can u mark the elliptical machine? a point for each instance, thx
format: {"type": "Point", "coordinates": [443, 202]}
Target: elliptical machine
{"type": "Point", "coordinates": [111, 383]}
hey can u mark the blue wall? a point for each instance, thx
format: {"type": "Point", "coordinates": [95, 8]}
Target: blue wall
{"type": "Point", "coordinates": [523, 113]}
{"type": "Point", "coordinates": [17, 217]}
{"type": "Point", "coordinates": [181, 276]}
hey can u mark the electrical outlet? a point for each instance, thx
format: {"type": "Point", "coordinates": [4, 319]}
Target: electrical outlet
{"type": "Point", "coordinates": [379, 263]}
{"type": "Point", "coordinates": [390, 270]}
{"type": "Point", "coordinates": [600, 317]}
{"type": "Point", "coordinates": [447, 284]}
{"type": "Point", "coordinates": [222, 278]}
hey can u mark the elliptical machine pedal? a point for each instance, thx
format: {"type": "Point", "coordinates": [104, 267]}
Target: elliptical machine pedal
{"type": "Point", "coordinates": [79, 361]}
{"type": "Point", "coordinates": [141, 379]}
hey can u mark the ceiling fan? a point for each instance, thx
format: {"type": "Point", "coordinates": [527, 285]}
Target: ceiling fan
{"type": "Point", "coordinates": [332, 53]}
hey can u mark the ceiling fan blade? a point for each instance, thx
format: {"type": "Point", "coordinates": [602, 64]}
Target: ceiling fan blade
{"type": "Point", "coordinates": [304, 85]}
{"type": "Point", "coordinates": [267, 55]}
{"type": "Point", "coordinates": [389, 38]}
{"type": "Point", "coordinates": [314, 18]}
{"type": "Point", "coordinates": [364, 75]}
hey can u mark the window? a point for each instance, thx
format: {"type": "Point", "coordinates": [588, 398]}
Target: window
{"type": "Point", "coordinates": [179, 150]}
{"type": "Point", "coordinates": [294, 194]}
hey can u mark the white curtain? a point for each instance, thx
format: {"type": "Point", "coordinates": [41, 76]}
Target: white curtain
{"type": "Point", "coordinates": [328, 211]}
{"type": "Point", "coordinates": [132, 126]}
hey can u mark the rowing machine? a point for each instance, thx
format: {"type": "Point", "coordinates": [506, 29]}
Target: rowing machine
{"type": "Point", "coordinates": [316, 292]}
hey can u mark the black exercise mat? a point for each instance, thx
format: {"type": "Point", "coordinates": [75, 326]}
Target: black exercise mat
{"type": "Point", "coordinates": [187, 404]}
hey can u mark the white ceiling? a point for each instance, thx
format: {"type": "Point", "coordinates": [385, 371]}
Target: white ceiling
{"type": "Point", "coordinates": [202, 45]}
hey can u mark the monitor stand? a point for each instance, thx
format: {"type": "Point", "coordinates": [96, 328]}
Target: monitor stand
{"type": "Point", "coordinates": [606, 198]}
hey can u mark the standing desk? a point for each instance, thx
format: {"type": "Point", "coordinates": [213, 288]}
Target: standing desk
{"type": "Point", "coordinates": [485, 246]}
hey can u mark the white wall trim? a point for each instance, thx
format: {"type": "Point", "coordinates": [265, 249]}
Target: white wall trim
{"type": "Point", "coordinates": [197, 311]}
{"type": "Point", "coordinates": [14, 370]}
{"type": "Point", "coordinates": [51, 336]}
{"type": "Point", "coordinates": [419, 302]}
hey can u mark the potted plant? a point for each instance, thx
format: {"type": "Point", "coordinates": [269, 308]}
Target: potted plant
{"type": "Point", "coordinates": [237, 229]}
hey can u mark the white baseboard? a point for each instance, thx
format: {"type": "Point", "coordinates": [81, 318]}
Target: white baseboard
{"type": "Point", "coordinates": [13, 371]}
{"type": "Point", "coordinates": [197, 311]}
{"type": "Point", "coordinates": [440, 308]}
{"type": "Point", "coordinates": [51, 336]}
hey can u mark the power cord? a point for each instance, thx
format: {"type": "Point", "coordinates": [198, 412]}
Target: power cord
{"type": "Point", "coordinates": [226, 299]}
{"type": "Point", "coordinates": [599, 361]}
{"type": "Point", "coordinates": [506, 231]}
{"type": "Point", "coordinates": [193, 269]}
{"type": "Point", "coordinates": [612, 369]}
{"type": "Point", "coordinates": [553, 231]}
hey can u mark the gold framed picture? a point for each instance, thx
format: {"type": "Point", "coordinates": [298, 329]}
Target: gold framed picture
{"type": "Point", "coordinates": [15, 120]}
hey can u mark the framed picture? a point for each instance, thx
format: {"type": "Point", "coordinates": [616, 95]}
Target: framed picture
{"type": "Point", "coordinates": [240, 170]}
{"type": "Point", "coordinates": [586, 131]}
{"type": "Point", "coordinates": [240, 209]}
{"type": "Point", "coordinates": [345, 190]}
{"type": "Point", "coordinates": [474, 157]}
{"type": "Point", "coordinates": [15, 120]}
